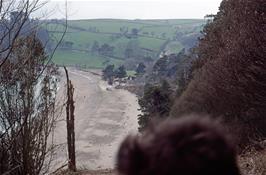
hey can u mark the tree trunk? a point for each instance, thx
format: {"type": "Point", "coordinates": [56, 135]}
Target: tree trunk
{"type": "Point", "coordinates": [70, 125]}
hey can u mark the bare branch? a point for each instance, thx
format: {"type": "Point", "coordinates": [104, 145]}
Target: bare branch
{"type": "Point", "coordinates": [58, 43]}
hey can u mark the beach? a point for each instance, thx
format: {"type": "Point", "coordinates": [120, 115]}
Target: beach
{"type": "Point", "coordinates": [104, 116]}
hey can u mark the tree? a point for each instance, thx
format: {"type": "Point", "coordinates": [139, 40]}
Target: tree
{"type": "Point", "coordinates": [228, 74]}
{"type": "Point", "coordinates": [134, 32]}
{"type": "Point", "coordinates": [160, 67]}
{"type": "Point", "coordinates": [107, 50]}
{"type": "Point", "coordinates": [140, 69]}
{"type": "Point", "coordinates": [28, 86]}
{"type": "Point", "coordinates": [120, 72]}
{"type": "Point", "coordinates": [155, 103]}
{"type": "Point", "coordinates": [108, 73]}
{"type": "Point", "coordinates": [28, 110]}
{"type": "Point", "coordinates": [95, 47]}
{"type": "Point", "coordinates": [13, 19]}
{"type": "Point", "coordinates": [182, 83]}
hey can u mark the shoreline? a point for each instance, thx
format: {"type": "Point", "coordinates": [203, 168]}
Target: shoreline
{"type": "Point", "coordinates": [103, 118]}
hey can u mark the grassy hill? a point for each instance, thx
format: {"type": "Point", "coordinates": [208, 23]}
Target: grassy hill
{"type": "Point", "coordinates": [119, 41]}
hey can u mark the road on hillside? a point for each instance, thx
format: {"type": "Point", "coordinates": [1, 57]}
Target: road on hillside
{"type": "Point", "coordinates": [102, 119]}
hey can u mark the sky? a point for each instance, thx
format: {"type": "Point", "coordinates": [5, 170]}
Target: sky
{"type": "Point", "coordinates": [131, 9]}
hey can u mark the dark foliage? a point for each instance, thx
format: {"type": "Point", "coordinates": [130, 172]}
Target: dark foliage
{"type": "Point", "coordinates": [109, 73]}
{"type": "Point", "coordinates": [106, 50]}
{"type": "Point", "coordinates": [140, 70]}
{"type": "Point", "coordinates": [160, 67]}
{"type": "Point", "coordinates": [95, 47]}
{"type": "Point", "coordinates": [174, 68]}
{"type": "Point", "coordinates": [155, 103]}
{"type": "Point", "coordinates": [229, 74]}
{"type": "Point", "coordinates": [134, 32]}
{"type": "Point", "coordinates": [120, 72]}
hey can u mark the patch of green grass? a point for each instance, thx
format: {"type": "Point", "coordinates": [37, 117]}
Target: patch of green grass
{"type": "Point", "coordinates": [151, 43]}
{"type": "Point", "coordinates": [131, 73]}
{"type": "Point", "coordinates": [71, 58]}
{"type": "Point", "coordinates": [174, 47]}
{"type": "Point", "coordinates": [105, 25]}
{"type": "Point", "coordinates": [52, 27]}
{"type": "Point", "coordinates": [81, 39]}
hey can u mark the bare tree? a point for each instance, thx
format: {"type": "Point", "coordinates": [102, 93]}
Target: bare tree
{"type": "Point", "coordinates": [28, 87]}
{"type": "Point", "coordinates": [27, 108]}
{"type": "Point", "coordinates": [15, 22]}
{"type": "Point", "coordinates": [13, 16]}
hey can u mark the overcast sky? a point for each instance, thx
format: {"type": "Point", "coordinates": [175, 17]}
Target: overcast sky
{"type": "Point", "coordinates": [132, 9]}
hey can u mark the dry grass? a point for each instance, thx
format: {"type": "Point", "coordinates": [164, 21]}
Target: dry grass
{"type": "Point", "coordinates": [88, 172]}
{"type": "Point", "coordinates": [100, 172]}
{"type": "Point", "coordinates": [253, 162]}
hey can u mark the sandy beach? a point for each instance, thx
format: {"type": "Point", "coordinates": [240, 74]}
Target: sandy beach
{"type": "Point", "coordinates": [102, 119]}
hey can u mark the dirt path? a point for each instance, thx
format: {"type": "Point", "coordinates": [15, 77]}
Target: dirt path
{"type": "Point", "coordinates": [102, 119]}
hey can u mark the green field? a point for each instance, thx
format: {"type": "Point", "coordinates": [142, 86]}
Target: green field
{"type": "Point", "coordinates": [70, 58]}
{"type": "Point", "coordinates": [153, 37]}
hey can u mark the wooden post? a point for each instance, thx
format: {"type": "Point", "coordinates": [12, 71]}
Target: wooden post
{"type": "Point", "coordinates": [70, 125]}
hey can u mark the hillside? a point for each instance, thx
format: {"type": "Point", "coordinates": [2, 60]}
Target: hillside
{"type": "Point", "coordinates": [98, 42]}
